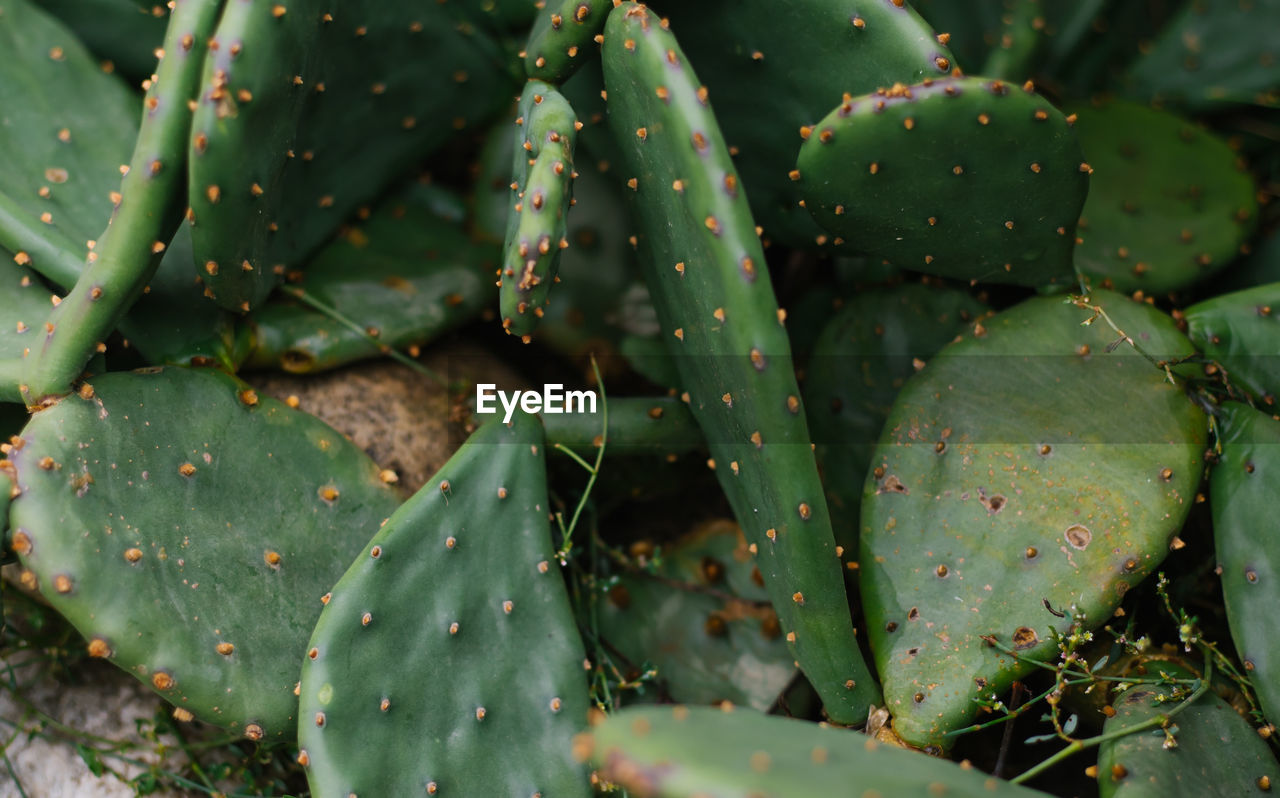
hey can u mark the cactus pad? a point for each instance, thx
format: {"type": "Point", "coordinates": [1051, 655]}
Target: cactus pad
{"type": "Point", "coordinates": [1241, 332]}
{"type": "Point", "coordinates": [961, 177]}
{"type": "Point", "coordinates": [862, 358]}
{"type": "Point", "coordinates": [704, 623]}
{"type": "Point", "coordinates": [188, 529]}
{"type": "Point", "coordinates": [406, 273]}
{"type": "Point", "coordinates": [562, 37]}
{"type": "Point", "coordinates": [802, 55]}
{"type": "Point", "coordinates": [1214, 751]}
{"type": "Point", "coordinates": [1169, 203]}
{"type": "Point", "coordinates": [1243, 487]}
{"type": "Point", "coordinates": [710, 286]}
{"type": "Point", "coordinates": [1026, 465]}
{"type": "Point", "coordinates": [684, 752]}
{"type": "Point", "coordinates": [435, 667]}
{"type": "Point", "coordinates": [24, 306]}
{"type": "Point", "coordinates": [543, 176]}
{"type": "Point", "coordinates": [309, 109]}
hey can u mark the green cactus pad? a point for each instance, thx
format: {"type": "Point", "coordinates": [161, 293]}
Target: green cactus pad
{"type": "Point", "coordinates": [710, 285]}
{"type": "Point", "coordinates": [704, 623]}
{"type": "Point", "coordinates": [1243, 487]}
{"type": "Point", "coordinates": [1211, 55]}
{"type": "Point", "coordinates": [1025, 464]}
{"type": "Point", "coordinates": [309, 109]}
{"type": "Point", "coordinates": [563, 38]}
{"type": "Point", "coordinates": [962, 177]}
{"type": "Point", "coordinates": [406, 274]}
{"type": "Point", "coordinates": [125, 33]}
{"type": "Point", "coordinates": [67, 129]}
{"type": "Point", "coordinates": [1214, 751]}
{"type": "Point", "coordinates": [688, 752]}
{"type": "Point", "coordinates": [24, 307]}
{"type": "Point", "coordinates": [188, 529]}
{"type": "Point", "coordinates": [435, 666]}
{"type": "Point", "coordinates": [542, 166]}
{"type": "Point", "coordinates": [800, 56]}
{"type": "Point", "coordinates": [657, 425]}
{"type": "Point", "coordinates": [1169, 203]}
{"type": "Point", "coordinates": [1241, 332]}
{"type": "Point", "coordinates": [146, 213]}
{"type": "Point", "coordinates": [862, 358]}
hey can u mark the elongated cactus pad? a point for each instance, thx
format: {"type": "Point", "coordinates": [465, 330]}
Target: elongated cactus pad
{"type": "Point", "coordinates": [542, 170]}
{"type": "Point", "coordinates": [146, 213]}
{"type": "Point", "coordinates": [406, 274]}
{"type": "Point", "coordinates": [962, 177]}
{"type": "Point", "coordinates": [1243, 488]}
{"type": "Point", "coordinates": [704, 623]}
{"type": "Point", "coordinates": [1025, 467]}
{"type": "Point", "coordinates": [309, 109]}
{"type": "Point", "coordinates": [711, 288]}
{"type": "Point", "coordinates": [1169, 203]}
{"type": "Point", "coordinates": [188, 529]}
{"type": "Point", "coordinates": [1213, 55]}
{"type": "Point", "coordinates": [431, 670]}
{"type": "Point", "coordinates": [1214, 750]}
{"type": "Point", "coordinates": [802, 55]}
{"type": "Point", "coordinates": [862, 358]}
{"type": "Point", "coordinates": [68, 128]}
{"type": "Point", "coordinates": [563, 37]}
{"type": "Point", "coordinates": [1241, 332]}
{"type": "Point", "coordinates": [683, 752]}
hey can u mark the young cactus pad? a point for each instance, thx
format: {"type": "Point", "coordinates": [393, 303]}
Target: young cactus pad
{"type": "Point", "coordinates": [1169, 203]}
{"type": "Point", "coordinates": [710, 285]}
{"type": "Point", "coordinates": [563, 36]}
{"type": "Point", "coordinates": [689, 752]}
{"type": "Point", "coordinates": [542, 170]}
{"type": "Point", "coordinates": [447, 658]}
{"type": "Point", "coordinates": [1025, 467]}
{"type": "Point", "coordinates": [188, 529]}
{"type": "Point", "coordinates": [1243, 488]}
{"type": "Point", "coordinates": [966, 178]}
{"type": "Point", "coordinates": [1240, 331]}
{"type": "Point", "coordinates": [1215, 751]}
{"type": "Point", "coordinates": [704, 623]}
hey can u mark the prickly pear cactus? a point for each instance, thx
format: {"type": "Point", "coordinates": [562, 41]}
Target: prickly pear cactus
{"type": "Point", "coordinates": [144, 216]}
{"type": "Point", "coordinates": [1169, 203]}
{"type": "Point", "coordinates": [710, 285]}
{"type": "Point", "coordinates": [862, 358]}
{"type": "Point", "coordinates": [24, 306]}
{"type": "Point", "coordinates": [188, 528]}
{"type": "Point", "coordinates": [1213, 55]}
{"type": "Point", "coordinates": [430, 670]}
{"type": "Point", "coordinates": [1207, 749]}
{"type": "Point", "coordinates": [802, 55]}
{"type": "Point", "coordinates": [684, 752]}
{"type": "Point", "coordinates": [563, 37]}
{"type": "Point", "coordinates": [976, 523]}
{"type": "Point", "coordinates": [68, 128]}
{"type": "Point", "coordinates": [123, 33]}
{"type": "Point", "coordinates": [309, 109]}
{"type": "Point", "coordinates": [1243, 486]}
{"type": "Point", "coordinates": [703, 621]}
{"type": "Point", "coordinates": [1240, 331]}
{"type": "Point", "coordinates": [542, 183]}
{"type": "Point", "coordinates": [966, 178]}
